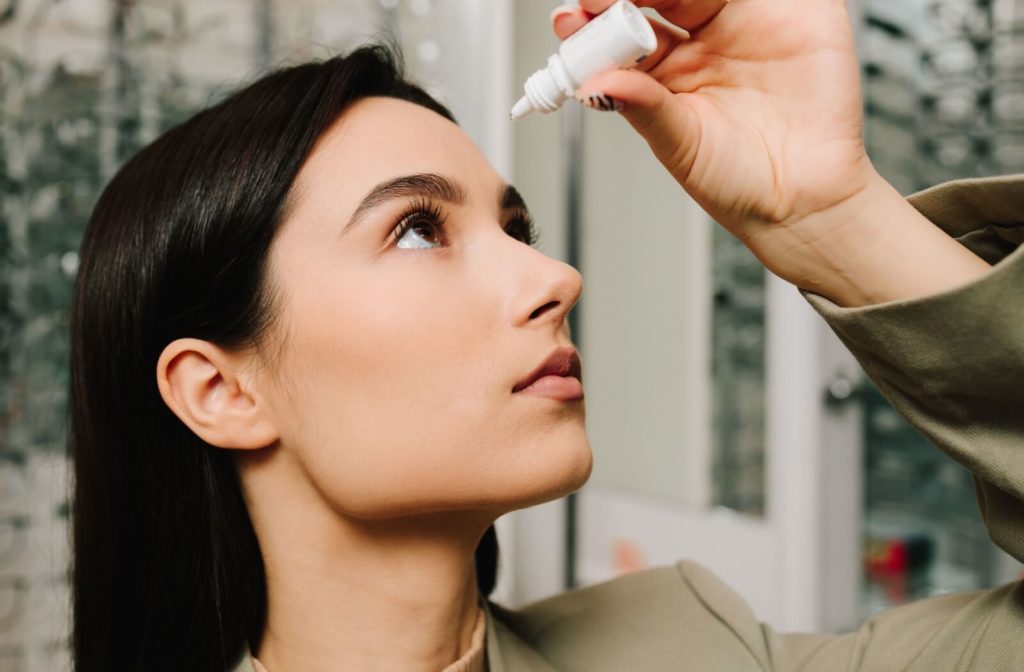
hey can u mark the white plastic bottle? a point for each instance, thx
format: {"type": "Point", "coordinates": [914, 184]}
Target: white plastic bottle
{"type": "Point", "coordinates": [619, 37]}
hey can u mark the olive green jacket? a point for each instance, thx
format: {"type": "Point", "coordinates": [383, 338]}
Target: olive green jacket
{"type": "Point", "coordinates": [953, 364]}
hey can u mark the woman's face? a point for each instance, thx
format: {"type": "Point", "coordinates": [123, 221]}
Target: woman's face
{"type": "Point", "coordinates": [400, 351]}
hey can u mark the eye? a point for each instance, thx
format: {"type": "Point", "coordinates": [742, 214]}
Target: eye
{"type": "Point", "coordinates": [420, 229]}
{"type": "Point", "coordinates": [521, 227]}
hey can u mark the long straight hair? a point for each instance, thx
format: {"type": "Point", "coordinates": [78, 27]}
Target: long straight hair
{"type": "Point", "coordinates": [167, 573]}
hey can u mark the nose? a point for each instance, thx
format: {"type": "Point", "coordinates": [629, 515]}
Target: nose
{"type": "Point", "coordinates": [547, 291]}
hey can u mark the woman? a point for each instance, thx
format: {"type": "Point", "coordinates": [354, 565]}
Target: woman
{"type": "Point", "coordinates": [309, 353]}
{"type": "Point", "coordinates": [281, 363]}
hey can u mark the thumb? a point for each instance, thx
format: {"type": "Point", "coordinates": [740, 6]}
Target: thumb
{"type": "Point", "coordinates": [661, 117]}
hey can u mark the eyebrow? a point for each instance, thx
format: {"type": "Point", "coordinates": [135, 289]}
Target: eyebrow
{"type": "Point", "coordinates": [430, 185]}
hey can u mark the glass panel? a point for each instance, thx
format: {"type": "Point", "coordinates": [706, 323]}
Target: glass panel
{"type": "Point", "coordinates": [944, 100]}
{"type": "Point", "coordinates": [737, 375]}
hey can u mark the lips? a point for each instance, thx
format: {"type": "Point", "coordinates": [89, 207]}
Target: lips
{"type": "Point", "coordinates": [563, 362]}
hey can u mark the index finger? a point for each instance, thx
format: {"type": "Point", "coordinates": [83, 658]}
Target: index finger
{"type": "Point", "coordinates": [688, 14]}
{"type": "Point", "coordinates": [566, 20]}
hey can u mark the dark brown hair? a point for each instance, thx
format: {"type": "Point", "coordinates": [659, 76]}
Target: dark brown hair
{"type": "Point", "coordinates": [167, 572]}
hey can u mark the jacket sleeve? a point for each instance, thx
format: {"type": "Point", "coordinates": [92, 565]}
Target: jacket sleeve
{"type": "Point", "coordinates": [953, 363]}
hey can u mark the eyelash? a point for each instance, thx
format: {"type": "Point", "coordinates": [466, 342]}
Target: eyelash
{"type": "Point", "coordinates": [521, 226]}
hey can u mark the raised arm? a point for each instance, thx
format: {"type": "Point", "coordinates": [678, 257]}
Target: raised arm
{"type": "Point", "coordinates": [758, 116]}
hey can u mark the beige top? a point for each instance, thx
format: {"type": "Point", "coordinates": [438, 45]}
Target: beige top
{"type": "Point", "coordinates": [474, 660]}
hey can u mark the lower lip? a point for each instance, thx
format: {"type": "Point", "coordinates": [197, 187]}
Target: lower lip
{"type": "Point", "coordinates": [562, 388]}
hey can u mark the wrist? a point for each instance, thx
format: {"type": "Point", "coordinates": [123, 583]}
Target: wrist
{"type": "Point", "coordinates": [874, 247]}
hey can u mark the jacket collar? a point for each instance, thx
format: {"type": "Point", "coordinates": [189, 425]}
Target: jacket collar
{"type": "Point", "coordinates": [506, 650]}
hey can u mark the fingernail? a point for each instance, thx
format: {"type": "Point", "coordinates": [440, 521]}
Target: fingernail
{"type": "Point", "coordinates": [602, 102]}
{"type": "Point", "coordinates": [562, 10]}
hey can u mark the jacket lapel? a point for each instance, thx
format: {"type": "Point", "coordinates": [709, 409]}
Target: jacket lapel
{"type": "Point", "coordinates": [507, 651]}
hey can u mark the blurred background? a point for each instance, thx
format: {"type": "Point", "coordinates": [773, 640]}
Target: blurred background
{"type": "Point", "coordinates": [729, 426]}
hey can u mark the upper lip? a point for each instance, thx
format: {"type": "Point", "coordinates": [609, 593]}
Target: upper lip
{"type": "Point", "coordinates": [561, 362]}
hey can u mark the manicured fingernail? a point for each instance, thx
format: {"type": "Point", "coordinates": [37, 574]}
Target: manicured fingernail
{"type": "Point", "coordinates": [602, 102]}
{"type": "Point", "coordinates": [562, 10]}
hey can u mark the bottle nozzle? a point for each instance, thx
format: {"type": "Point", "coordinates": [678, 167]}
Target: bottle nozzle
{"type": "Point", "coordinates": [619, 37]}
{"type": "Point", "coordinates": [521, 109]}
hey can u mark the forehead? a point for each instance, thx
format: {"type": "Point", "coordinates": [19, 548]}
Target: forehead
{"type": "Point", "coordinates": [378, 139]}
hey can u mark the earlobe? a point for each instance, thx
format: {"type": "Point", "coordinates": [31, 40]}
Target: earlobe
{"type": "Point", "coordinates": [200, 383]}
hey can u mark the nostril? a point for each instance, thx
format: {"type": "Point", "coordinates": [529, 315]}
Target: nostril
{"type": "Point", "coordinates": [543, 309]}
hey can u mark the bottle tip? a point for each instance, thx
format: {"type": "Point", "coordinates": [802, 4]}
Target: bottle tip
{"type": "Point", "coordinates": [521, 109]}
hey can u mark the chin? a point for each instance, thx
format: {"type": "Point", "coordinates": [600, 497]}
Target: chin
{"type": "Point", "coordinates": [539, 471]}
{"type": "Point", "coordinates": [566, 470]}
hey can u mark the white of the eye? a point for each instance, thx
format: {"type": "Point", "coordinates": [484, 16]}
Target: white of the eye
{"type": "Point", "coordinates": [422, 244]}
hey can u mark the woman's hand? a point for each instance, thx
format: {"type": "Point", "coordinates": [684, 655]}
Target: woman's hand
{"type": "Point", "coordinates": [758, 116]}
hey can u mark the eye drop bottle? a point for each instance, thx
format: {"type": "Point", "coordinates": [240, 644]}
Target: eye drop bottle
{"type": "Point", "coordinates": [619, 37]}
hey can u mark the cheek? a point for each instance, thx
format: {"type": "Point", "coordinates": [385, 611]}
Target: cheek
{"type": "Point", "coordinates": [401, 402]}
{"type": "Point", "coordinates": [393, 390]}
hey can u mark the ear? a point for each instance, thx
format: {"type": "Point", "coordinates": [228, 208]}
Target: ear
{"type": "Point", "coordinates": [202, 385]}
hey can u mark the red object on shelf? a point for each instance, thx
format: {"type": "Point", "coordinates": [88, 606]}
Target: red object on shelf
{"type": "Point", "coordinates": [890, 556]}
{"type": "Point", "coordinates": [886, 557]}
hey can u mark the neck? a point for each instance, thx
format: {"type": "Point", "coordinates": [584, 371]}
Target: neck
{"type": "Point", "coordinates": [344, 593]}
